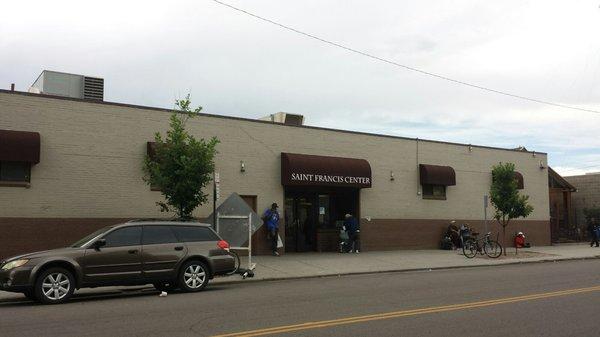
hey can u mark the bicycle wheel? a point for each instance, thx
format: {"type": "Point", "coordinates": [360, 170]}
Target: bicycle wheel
{"type": "Point", "coordinates": [236, 260]}
{"type": "Point", "coordinates": [470, 248]}
{"type": "Point", "coordinates": [492, 249]}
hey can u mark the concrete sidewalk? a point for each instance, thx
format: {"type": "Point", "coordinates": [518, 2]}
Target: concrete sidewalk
{"type": "Point", "coordinates": [302, 265]}
{"type": "Point", "coordinates": [299, 265]}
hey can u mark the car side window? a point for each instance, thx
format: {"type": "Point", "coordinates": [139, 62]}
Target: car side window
{"type": "Point", "coordinates": [194, 233]}
{"type": "Point", "coordinates": [128, 236]}
{"type": "Point", "coordinates": [154, 235]}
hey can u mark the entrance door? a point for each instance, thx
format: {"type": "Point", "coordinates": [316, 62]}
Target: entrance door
{"type": "Point", "coordinates": [300, 225]}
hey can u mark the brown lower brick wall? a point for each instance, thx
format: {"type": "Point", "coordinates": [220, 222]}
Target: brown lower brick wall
{"type": "Point", "coordinates": [390, 234]}
{"type": "Point", "coordinates": [22, 235]}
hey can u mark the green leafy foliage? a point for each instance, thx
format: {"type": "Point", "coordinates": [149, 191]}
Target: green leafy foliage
{"type": "Point", "coordinates": [505, 197]}
{"type": "Point", "coordinates": [182, 165]}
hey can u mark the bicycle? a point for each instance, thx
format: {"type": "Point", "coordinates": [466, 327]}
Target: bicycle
{"type": "Point", "coordinates": [489, 247]}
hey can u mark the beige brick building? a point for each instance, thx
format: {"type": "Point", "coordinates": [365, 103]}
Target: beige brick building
{"type": "Point", "coordinates": [90, 174]}
{"type": "Point", "coordinates": [587, 196]}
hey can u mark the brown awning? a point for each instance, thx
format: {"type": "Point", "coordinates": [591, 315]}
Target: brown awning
{"type": "Point", "coordinates": [20, 146]}
{"type": "Point", "coordinates": [437, 175]}
{"type": "Point", "coordinates": [520, 182]}
{"type": "Point", "coordinates": [309, 170]}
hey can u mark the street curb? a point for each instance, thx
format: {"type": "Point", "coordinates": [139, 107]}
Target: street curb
{"type": "Point", "coordinates": [272, 279]}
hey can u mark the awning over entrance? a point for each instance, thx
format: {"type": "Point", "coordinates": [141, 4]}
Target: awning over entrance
{"type": "Point", "coordinates": [437, 175]}
{"type": "Point", "coordinates": [310, 170]}
{"type": "Point", "coordinates": [20, 146]}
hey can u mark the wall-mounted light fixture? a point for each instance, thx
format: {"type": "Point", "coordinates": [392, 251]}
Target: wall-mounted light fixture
{"type": "Point", "coordinates": [470, 148]}
{"type": "Point", "coordinates": [242, 166]}
{"type": "Point", "coordinates": [392, 175]}
{"type": "Point", "coordinates": [542, 166]}
{"type": "Point", "coordinates": [533, 154]}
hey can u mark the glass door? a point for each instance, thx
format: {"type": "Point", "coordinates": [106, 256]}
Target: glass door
{"type": "Point", "coordinates": [300, 225]}
{"type": "Point", "coordinates": [290, 225]}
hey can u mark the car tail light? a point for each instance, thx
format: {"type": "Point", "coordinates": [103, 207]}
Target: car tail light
{"type": "Point", "coordinates": [223, 245]}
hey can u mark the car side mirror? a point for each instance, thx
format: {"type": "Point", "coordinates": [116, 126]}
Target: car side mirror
{"type": "Point", "coordinates": [99, 243]}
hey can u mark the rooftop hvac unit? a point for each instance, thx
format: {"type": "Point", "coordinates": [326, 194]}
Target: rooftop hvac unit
{"type": "Point", "coordinates": [69, 85]}
{"type": "Point", "coordinates": [93, 88]}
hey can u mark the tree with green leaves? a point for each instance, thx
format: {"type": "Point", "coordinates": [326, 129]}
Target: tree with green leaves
{"type": "Point", "coordinates": [505, 197]}
{"type": "Point", "coordinates": [181, 165]}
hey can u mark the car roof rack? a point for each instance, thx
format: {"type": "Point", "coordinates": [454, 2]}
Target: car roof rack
{"type": "Point", "coordinates": [164, 220]}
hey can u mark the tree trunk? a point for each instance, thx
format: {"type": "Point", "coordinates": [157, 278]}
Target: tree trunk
{"type": "Point", "coordinates": [504, 238]}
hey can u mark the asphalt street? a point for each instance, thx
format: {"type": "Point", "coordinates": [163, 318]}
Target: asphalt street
{"type": "Point", "coordinates": [542, 299]}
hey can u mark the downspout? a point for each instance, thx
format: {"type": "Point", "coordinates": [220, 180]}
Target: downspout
{"type": "Point", "coordinates": [418, 183]}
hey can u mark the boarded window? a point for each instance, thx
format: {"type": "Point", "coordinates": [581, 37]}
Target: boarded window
{"type": "Point", "coordinates": [15, 171]}
{"type": "Point", "coordinates": [437, 192]}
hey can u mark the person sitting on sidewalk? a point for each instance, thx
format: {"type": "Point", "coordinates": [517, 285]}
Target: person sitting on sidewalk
{"type": "Point", "coordinates": [352, 227]}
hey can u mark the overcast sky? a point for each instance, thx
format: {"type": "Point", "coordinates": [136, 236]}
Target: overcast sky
{"type": "Point", "coordinates": [152, 52]}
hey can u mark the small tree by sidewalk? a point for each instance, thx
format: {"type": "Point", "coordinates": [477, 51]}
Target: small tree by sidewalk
{"type": "Point", "coordinates": [505, 197]}
{"type": "Point", "coordinates": [182, 165]}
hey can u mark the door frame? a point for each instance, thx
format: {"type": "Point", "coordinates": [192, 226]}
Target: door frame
{"type": "Point", "coordinates": [312, 193]}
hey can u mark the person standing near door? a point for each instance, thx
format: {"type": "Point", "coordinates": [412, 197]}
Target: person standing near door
{"type": "Point", "coordinates": [352, 226]}
{"type": "Point", "coordinates": [271, 221]}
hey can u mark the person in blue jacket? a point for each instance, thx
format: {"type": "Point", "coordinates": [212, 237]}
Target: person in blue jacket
{"type": "Point", "coordinates": [594, 229]}
{"type": "Point", "coordinates": [271, 221]}
{"type": "Point", "coordinates": [352, 227]}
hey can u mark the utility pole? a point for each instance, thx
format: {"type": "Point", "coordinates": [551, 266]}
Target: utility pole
{"type": "Point", "coordinates": [485, 206]}
{"type": "Point", "coordinates": [216, 194]}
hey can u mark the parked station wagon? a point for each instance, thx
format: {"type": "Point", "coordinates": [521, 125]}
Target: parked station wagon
{"type": "Point", "coordinates": [184, 255]}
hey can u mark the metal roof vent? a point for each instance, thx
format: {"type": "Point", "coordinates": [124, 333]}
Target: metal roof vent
{"type": "Point", "coordinates": [93, 88]}
{"type": "Point", "coordinates": [68, 85]}
{"type": "Point", "coordinates": [285, 118]}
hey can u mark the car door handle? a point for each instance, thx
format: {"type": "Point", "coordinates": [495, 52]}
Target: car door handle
{"type": "Point", "coordinates": [178, 247]}
{"type": "Point", "coordinates": [132, 251]}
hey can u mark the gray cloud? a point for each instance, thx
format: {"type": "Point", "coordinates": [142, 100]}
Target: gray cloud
{"type": "Point", "coordinates": [154, 51]}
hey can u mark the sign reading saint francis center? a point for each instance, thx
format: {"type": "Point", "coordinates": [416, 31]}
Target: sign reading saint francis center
{"type": "Point", "coordinates": [311, 170]}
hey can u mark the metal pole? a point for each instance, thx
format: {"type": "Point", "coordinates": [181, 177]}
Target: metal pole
{"type": "Point", "coordinates": [214, 202]}
{"type": "Point", "coordinates": [250, 241]}
{"type": "Point", "coordinates": [485, 205]}
{"type": "Point", "coordinates": [217, 223]}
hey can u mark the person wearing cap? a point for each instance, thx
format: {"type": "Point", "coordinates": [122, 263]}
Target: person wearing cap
{"type": "Point", "coordinates": [271, 221]}
{"type": "Point", "coordinates": [352, 227]}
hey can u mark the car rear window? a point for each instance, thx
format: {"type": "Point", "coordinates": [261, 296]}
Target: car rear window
{"type": "Point", "coordinates": [194, 233]}
{"type": "Point", "coordinates": [154, 235]}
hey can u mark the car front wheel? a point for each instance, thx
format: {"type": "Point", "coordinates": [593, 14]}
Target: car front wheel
{"type": "Point", "coordinates": [193, 276]}
{"type": "Point", "coordinates": [54, 285]}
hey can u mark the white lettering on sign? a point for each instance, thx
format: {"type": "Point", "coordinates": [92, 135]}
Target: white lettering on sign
{"type": "Point", "coordinates": [324, 178]}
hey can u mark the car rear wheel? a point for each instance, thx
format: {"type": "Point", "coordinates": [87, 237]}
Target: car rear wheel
{"type": "Point", "coordinates": [193, 276]}
{"type": "Point", "coordinates": [54, 285]}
